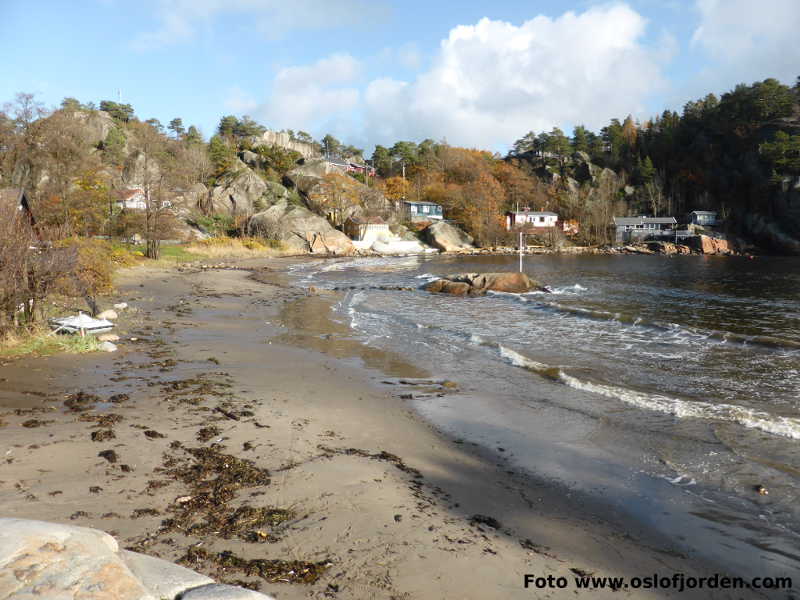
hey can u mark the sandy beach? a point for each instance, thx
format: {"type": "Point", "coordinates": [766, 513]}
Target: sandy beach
{"type": "Point", "coordinates": [240, 432]}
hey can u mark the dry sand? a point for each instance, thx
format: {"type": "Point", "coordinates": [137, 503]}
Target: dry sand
{"type": "Point", "coordinates": [379, 504]}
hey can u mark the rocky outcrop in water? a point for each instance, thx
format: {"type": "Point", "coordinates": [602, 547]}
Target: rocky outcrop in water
{"type": "Point", "coordinates": [447, 237]}
{"type": "Point", "coordinates": [477, 284]}
{"type": "Point", "coordinates": [48, 560]}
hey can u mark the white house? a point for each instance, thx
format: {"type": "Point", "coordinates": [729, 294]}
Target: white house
{"type": "Point", "coordinates": [530, 218]}
{"type": "Point", "coordinates": [136, 199]}
{"type": "Point", "coordinates": [132, 199]}
{"type": "Point", "coordinates": [365, 229]}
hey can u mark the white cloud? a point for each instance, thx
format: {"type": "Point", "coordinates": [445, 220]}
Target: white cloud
{"type": "Point", "coordinates": [179, 20]}
{"type": "Point", "coordinates": [303, 96]}
{"type": "Point", "coordinates": [240, 102]}
{"type": "Point", "coordinates": [749, 41]}
{"type": "Point", "coordinates": [493, 81]}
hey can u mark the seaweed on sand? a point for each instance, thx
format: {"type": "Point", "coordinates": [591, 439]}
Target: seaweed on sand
{"type": "Point", "coordinates": [272, 571]}
{"type": "Point", "coordinates": [106, 420]}
{"type": "Point", "coordinates": [206, 433]}
{"type": "Point", "coordinates": [81, 401]}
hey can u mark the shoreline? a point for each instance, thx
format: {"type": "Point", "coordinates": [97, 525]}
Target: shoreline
{"type": "Point", "coordinates": [347, 457]}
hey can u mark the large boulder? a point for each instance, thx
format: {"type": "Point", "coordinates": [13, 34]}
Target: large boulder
{"type": "Point", "coordinates": [477, 284]}
{"type": "Point", "coordinates": [447, 237]}
{"type": "Point", "coordinates": [299, 230]}
{"type": "Point", "coordinates": [275, 193]}
{"type": "Point", "coordinates": [309, 174]}
{"type": "Point", "coordinates": [49, 560]}
{"type": "Point", "coordinates": [709, 245]}
{"type": "Point", "coordinates": [240, 191]}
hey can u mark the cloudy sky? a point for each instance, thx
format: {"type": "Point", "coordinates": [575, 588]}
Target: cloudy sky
{"type": "Point", "coordinates": [374, 71]}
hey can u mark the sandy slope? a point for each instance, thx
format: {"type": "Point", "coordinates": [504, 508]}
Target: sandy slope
{"type": "Point", "coordinates": [287, 390]}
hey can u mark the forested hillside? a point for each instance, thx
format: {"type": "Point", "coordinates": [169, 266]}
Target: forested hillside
{"type": "Point", "coordinates": [738, 155]}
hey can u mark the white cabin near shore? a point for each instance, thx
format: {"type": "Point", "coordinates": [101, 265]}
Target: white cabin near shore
{"type": "Point", "coordinates": [365, 229]}
{"type": "Point", "coordinates": [530, 218]}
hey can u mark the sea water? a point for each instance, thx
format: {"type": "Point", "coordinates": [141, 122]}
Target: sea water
{"type": "Point", "coordinates": [667, 387]}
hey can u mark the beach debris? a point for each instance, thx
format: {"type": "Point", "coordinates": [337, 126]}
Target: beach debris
{"type": "Point", "coordinates": [144, 512]}
{"type": "Point", "coordinates": [121, 305]}
{"type": "Point", "coordinates": [78, 515]}
{"type": "Point", "coordinates": [109, 455]}
{"type": "Point", "coordinates": [31, 423]}
{"type": "Point", "coordinates": [485, 520]}
{"type": "Point", "coordinates": [119, 398]}
{"type": "Point", "coordinates": [108, 315]}
{"type": "Point", "coordinates": [95, 489]}
{"type": "Point", "coordinates": [206, 433]}
{"type": "Point", "coordinates": [80, 401]}
{"type": "Point", "coordinates": [81, 324]}
{"type": "Point", "coordinates": [108, 347]}
{"type": "Point", "coordinates": [108, 337]}
{"type": "Point", "coordinates": [272, 571]}
{"type": "Point", "coordinates": [761, 490]}
{"type": "Point", "coordinates": [398, 518]}
{"type": "Point", "coordinates": [104, 420]}
{"type": "Point", "coordinates": [101, 435]}
{"type": "Point", "coordinates": [153, 434]}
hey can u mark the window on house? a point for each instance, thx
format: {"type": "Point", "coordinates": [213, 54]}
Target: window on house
{"type": "Point", "coordinates": [413, 208]}
{"type": "Point", "coordinates": [426, 209]}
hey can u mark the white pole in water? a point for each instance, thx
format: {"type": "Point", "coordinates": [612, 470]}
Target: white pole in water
{"type": "Point", "coordinates": [520, 252]}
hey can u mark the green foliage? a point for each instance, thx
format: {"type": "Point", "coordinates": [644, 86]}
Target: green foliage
{"type": "Point", "coordinates": [222, 155]}
{"type": "Point", "coordinates": [279, 159]}
{"type": "Point", "coordinates": [119, 112]}
{"type": "Point", "coordinates": [176, 127]}
{"type": "Point", "coordinates": [783, 153]}
{"type": "Point", "coordinates": [72, 104]}
{"type": "Point", "coordinates": [215, 225]}
{"type": "Point", "coordinates": [193, 135]}
{"type": "Point", "coordinates": [113, 147]}
{"type": "Point", "coordinates": [233, 127]}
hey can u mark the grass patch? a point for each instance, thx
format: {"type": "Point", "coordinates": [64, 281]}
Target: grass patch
{"type": "Point", "coordinates": [176, 254]}
{"type": "Point", "coordinates": [245, 247]}
{"type": "Point", "coordinates": [39, 342]}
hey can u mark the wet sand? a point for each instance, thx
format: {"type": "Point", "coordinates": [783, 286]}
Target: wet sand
{"type": "Point", "coordinates": [246, 436]}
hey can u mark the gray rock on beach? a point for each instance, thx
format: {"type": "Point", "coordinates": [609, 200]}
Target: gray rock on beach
{"type": "Point", "coordinates": [108, 315]}
{"type": "Point", "coordinates": [447, 237]}
{"type": "Point", "coordinates": [63, 562]}
{"type": "Point", "coordinates": [219, 591]}
{"type": "Point", "coordinates": [108, 347]}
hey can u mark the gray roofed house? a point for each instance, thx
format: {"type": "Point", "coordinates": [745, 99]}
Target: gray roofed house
{"type": "Point", "coordinates": [633, 228]}
{"type": "Point", "coordinates": [703, 217]}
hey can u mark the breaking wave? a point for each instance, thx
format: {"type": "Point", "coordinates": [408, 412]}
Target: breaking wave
{"type": "Point", "coordinates": [754, 419]}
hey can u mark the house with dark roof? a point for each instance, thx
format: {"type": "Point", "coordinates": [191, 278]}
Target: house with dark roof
{"type": "Point", "coordinates": [703, 217]}
{"type": "Point", "coordinates": [422, 211]}
{"type": "Point", "coordinates": [639, 228]}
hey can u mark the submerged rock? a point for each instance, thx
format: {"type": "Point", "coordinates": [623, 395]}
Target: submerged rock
{"type": "Point", "coordinates": [477, 284]}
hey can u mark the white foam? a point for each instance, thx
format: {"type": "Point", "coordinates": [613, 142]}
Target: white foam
{"type": "Point", "coordinates": [518, 360]}
{"type": "Point", "coordinates": [747, 417]}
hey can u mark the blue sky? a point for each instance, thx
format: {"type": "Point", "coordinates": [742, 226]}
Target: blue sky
{"type": "Point", "coordinates": [374, 71]}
